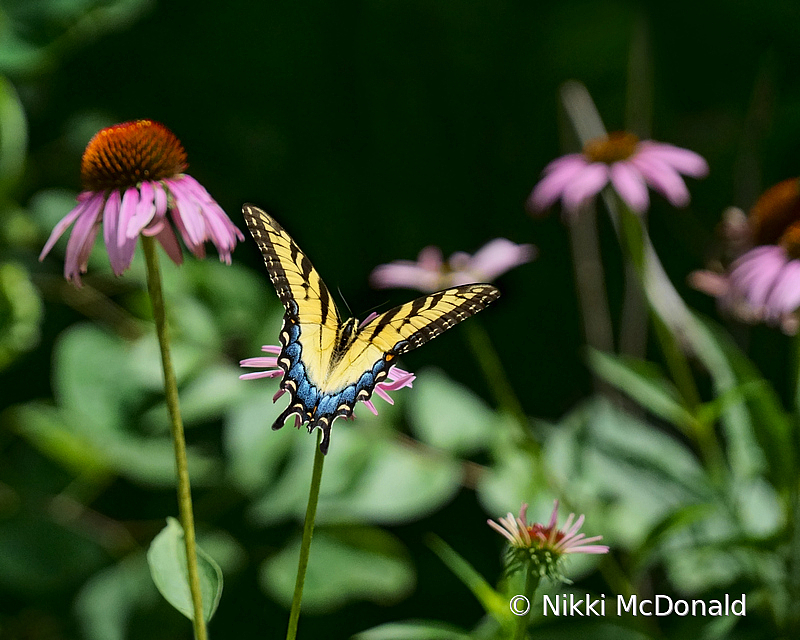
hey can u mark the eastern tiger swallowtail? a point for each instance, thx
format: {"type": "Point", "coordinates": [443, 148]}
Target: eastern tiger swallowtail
{"type": "Point", "coordinates": [329, 365]}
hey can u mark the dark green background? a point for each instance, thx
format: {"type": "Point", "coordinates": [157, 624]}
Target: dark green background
{"type": "Point", "coordinates": [372, 129]}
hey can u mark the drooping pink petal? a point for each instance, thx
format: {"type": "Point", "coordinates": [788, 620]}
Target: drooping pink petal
{"type": "Point", "coordinates": [145, 210]}
{"type": "Point", "coordinates": [585, 185]}
{"type": "Point", "coordinates": [262, 374]}
{"type": "Point", "coordinates": [682, 160]}
{"type": "Point", "coordinates": [93, 201]}
{"type": "Point", "coordinates": [371, 407]}
{"type": "Point", "coordinates": [404, 274]}
{"type": "Point", "coordinates": [161, 200]}
{"type": "Point", "coordinates": [564, 161]}
{"type": "Point", "coordinates": [187, 209]}
{"type": "Point", "coordinates": [663, 178]}
{"type": "Point", "coordinates": [367, 320]}
{"type": "Point", "coordinates": [784, 298]}
{"type": "Point", "coordinates": [498, 256]}
{"type": "Point", "coordinates": [80, 243]}
{"type": "Point", "coordinates": [630, 186]}
{"type": "Point", "coordinates": [430, 258]}
{"type": "Point", "coordinates": [110, 220]}
{"type": "Point", "coordinates": [383, 395]}
{"type": "Point", "coordinates": [166, 236]}
{"type": "Point", "coordinates": [552, 186]}
{"type": "Point", "coordinates": [755, 273]}
{"type": "Point", "coordinates": [127, 210]}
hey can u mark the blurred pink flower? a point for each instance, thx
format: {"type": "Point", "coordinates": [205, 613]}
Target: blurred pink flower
{"type": "Point", "coordinates": [548, 537]}
{"type": "Point", "coordinates": [630, 165]}
{"type": "Point", "coordinates": [762, 283]}
{"type": "Point", "coordinates": [133, 177]}
{"type": "Point", "coordinates": [431, 273]}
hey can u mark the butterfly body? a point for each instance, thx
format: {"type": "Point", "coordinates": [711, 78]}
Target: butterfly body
{"type": "Point", "coordinates": [328, 364]}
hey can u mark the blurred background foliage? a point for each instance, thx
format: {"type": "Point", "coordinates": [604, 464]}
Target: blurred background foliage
{"type": "Point", "coordinates": [372, 128]}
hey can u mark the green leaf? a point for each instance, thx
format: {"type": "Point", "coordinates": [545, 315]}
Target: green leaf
{"type": "Point", "coordinates": [449, 416]}
{"type": "Point", "coordinates": [254, 450]}
{"type": "Point", "coordinates": [107, 601]}
{"type": "Point", "coordinates": [92, 378]}
{"type": "Point", "coordinates": [775, 429]}
{"type": "Point", "coordinates": [491, 601]}
{"type": "Point", "coordinates": [346, 565]}
{"type": "Point", "coordinates": [167, 560]}
{"type": "Point", "coordinates": [600, 451]}
{"type": "Point", "coordinates": [20, 312]}
{"type": "Point", "coordinates": [644, 383]}
{"type": "Point", "coordinates": [395, 484]}
{"type": "Point", "coordinates": [417, 630]}
{"type": "Point", "coordinates": [50, 431]}
{"type": "Point", "coordinates": [13, 137]}
{"type": "Point", "coordinates": [42, 557]}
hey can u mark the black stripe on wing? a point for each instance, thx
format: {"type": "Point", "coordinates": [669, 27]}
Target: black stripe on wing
{"type": "Point", "coordinates": [281, 254]}
{"type": "Point", "coordinates": [423, 319]}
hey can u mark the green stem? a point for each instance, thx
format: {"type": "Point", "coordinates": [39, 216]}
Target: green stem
{"type": "Point", "coordinates": [176, 424]}
{"type": "Point", "coordinates": [495, 376]}
{"type": "Point", "coordinates": [633, 241]}
{"type": "Point", "coordinates": [531, 584]}
{"type": "Point", "coordinates": [632, 235]}
{"type": "Point", "coordinates": [305, 547]}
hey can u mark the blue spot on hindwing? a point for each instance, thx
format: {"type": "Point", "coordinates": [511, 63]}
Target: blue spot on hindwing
{"type": "Point", "coordinates": [293, 352]}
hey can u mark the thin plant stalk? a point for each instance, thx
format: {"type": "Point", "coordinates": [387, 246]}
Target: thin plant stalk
{"type": "Point", "coordinates": [305, 546]}
{"type": "Point", "coordinates": [531, 584]}
{"type": "Point", "coordinates": [178, 439]}
{"type": "Point", "coordinates": [590, 281]}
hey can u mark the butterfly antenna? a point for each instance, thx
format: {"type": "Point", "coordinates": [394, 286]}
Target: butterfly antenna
{"type": "Point", "coordinates": [341, 295]}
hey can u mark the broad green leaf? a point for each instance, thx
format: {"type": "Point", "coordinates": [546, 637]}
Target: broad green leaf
{"type": "Point", "coordinates": [20, 312]}
{"type": "Point", "coordinates": [775, 429]}
{"type": "Point", "coordinates": [13, 137]}
{"type": "Point", "coordinates": [345, 565]}
{"type": "Point", "coordinates": [422, 630]}
{"type": "Point", "coordinates": [601, 451]}
{"type": "Point", "coordinates": [254, 450]}
{"type": "Point", "coordinates": [48, 429]}
{"type": "Point", "coordinates": [204, 398]}
{"type": "Point", "coordinates": [167, 560]}
{"type": "Point", "coordinates": [396, 484]}
{"type": "Point", "coordinates": [448, 416]}
{"type": "Point", "coordinates": [42, 557]}
{"type": "Point", "coordinates": [644, 384]}
{"type": "Point", "coordinates": [92, 377]}
{"type": "Point", "coordinates": [108, 599]}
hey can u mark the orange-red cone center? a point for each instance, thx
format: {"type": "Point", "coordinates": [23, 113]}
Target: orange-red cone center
{"type": "Point", "coordinates": [126, 154]}
{"type": "Point", "coordinates": [614, 147]}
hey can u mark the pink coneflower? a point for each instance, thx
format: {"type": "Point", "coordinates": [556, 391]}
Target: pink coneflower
{"type": "Point", "coordinates": [630, 165]}
{"type": "Point", "coordinates": [396, 378]}
{"type": "Point", "coordinates": [133, 178]}
{"type": "Point", "coordinates": [538, 536]}
{"type": "Point", "coordinates": [542, 546]}
{"type": "Point", "coordinates": [431, 273]}
{"type": "Point", "coordinates": [763, 283]}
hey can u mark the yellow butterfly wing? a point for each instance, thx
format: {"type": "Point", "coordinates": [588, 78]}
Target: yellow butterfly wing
{"type": "Point", "coordinates": [407, 327]}
{"type": "Point", "coordinates": [329, 365]}
{"type": "Point", "coordinates": [301, 290]}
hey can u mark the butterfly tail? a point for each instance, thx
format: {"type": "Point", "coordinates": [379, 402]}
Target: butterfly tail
{"type": "Point", "coordinates": [281, 419]}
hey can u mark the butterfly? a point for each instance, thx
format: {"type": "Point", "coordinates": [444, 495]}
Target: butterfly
{"type": "Point", "coordinates": [329, 365]}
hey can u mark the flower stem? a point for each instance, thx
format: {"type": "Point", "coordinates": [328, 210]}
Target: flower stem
{"type": "Point", "coordinates": [493, 371]}
{"type": "Point", "coordinates": [176, 425]}
{"type": "Point", "coordinates": [305, 547]}
{"type": "Point", "coordinates": [531, 584]}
